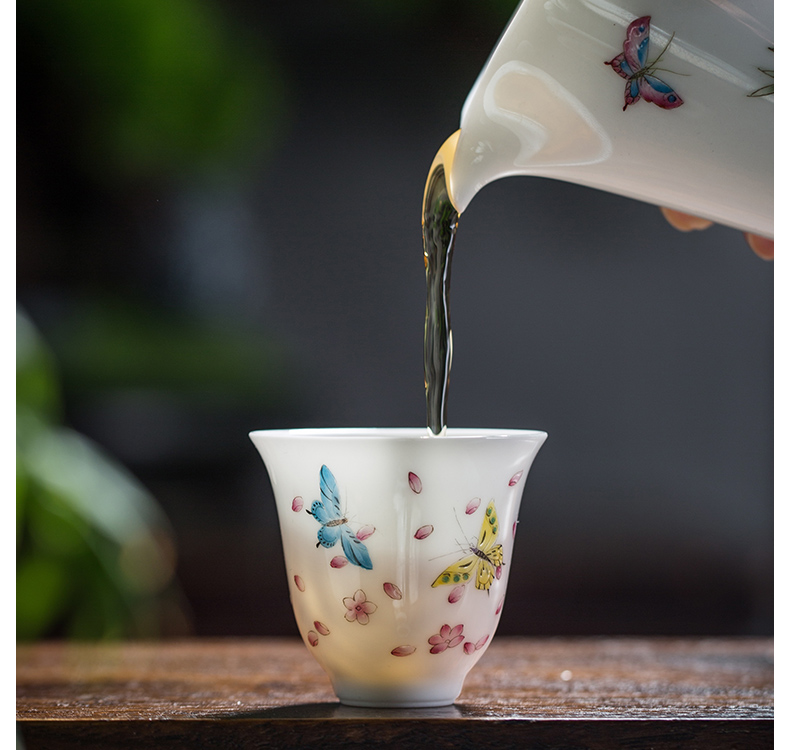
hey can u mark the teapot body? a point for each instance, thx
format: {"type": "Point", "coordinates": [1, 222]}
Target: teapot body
{"type": "Point", "coordinates": [673, 108]}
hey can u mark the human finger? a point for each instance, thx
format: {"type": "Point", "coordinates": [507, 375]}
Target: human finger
{"type": "Point", "coordinates": [762, 246]}
{"type": "Point", "coordinates": [684, 222]}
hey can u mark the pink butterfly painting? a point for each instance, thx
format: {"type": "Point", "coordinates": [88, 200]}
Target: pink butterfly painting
{"type": "Point", "coordinates": [631, 64]}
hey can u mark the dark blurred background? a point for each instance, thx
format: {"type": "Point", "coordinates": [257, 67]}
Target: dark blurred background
{"type": "Point", "coordinates": [219, 231]}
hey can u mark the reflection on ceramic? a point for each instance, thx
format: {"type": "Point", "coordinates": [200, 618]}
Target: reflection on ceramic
{"type": "Point", "coordinates": [398, 548]}
{"type": "Point", "coordinates": [670, 103]}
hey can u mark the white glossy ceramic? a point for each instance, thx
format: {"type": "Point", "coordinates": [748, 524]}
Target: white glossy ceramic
{"type": "Point", "coordinates": [398, 548]}
{"type": "Point", "coordinates": [669, 102]}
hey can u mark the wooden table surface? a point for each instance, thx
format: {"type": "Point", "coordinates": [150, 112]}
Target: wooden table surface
{"type": "Point", "coordinates": [525, 693]}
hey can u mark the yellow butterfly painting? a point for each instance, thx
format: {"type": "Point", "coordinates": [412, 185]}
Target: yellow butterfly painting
{"type": "Point", "coordinates": [484, 560]}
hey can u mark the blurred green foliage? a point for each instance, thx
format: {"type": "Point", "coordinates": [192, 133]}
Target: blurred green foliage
{"type": "Point", "coordinates": [161, 87]}
{"type": "Point", "coordinates": [111, 344]}
{"type": "Point", "coordinates": [95, 556]}
{"type": "Point", "coordinates": [144, 91]}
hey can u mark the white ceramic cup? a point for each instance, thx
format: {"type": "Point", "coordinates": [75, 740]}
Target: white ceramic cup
{"type": "Point", "coordinates": [397, 548]}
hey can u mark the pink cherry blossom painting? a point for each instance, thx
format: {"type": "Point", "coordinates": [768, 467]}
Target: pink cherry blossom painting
{"type": "Point", "coordinates": [447, 637]}
{"type": "Point", "coordinates": [358, 608]}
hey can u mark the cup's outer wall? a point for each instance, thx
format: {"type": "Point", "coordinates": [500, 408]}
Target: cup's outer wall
{"type": "Point", "coordinates": [417, 504]}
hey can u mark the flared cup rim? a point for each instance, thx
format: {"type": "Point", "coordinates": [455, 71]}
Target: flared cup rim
{"type": "Point", "coordinates": [400, 433]}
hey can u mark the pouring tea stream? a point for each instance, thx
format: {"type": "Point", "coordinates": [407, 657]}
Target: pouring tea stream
{"type": "Point", "coordinates": [673, 108]}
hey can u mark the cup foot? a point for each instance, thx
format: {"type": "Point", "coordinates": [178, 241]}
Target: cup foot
{"type": "Point", "coordinates": [414, 695]}
{"type": "Point", "coordinates": [396, 703]}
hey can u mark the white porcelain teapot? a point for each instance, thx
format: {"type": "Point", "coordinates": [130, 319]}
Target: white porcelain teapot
{"type": "Point", "coordinates": [669, 103]}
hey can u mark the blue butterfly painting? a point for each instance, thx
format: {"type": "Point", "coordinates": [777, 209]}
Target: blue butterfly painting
{"type": "Point", "coordinates": [334, 525]}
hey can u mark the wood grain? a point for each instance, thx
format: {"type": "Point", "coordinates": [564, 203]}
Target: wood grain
{"type": "Point", "coordinates": [532, 693]}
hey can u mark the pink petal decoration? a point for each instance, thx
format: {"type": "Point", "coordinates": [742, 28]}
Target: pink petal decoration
{"type": "Point", "coordinates": [515, 523]}
{"type": "Point", "coordinates": [365, 532]}
{"type": "Point", "coordinates": [321, 628]}
{"type": "Point", "coordinates": [514, 479]}
{"type": "Point", "coordinates": [392, 591]}
{"type": "Point", "coordinates": [447, 637]}
{"type": "Point", "coordinates": [454, 635]}
{"type": "Point", "coordinates": [338, 561]}
{"type": "Point", "coordinates": [312, 637]}
{"type": "Point", "coordinates": [297, 504]}
{"type": "Point", "coordinates": [470, 648]}
{"type": "Point", "coordinates": [415, 483]}
{"type": "Point", "coordinates": [299, 583]}
{"type": "Point", "coordinates": [456, 594]}
{"type": "Point", "coordinates": [472, 505]}
{"type": "Point", "coordinates": [423, 531]}
{"type": "Point", "coordinates": [498, 572]}
{"type": "Point", "coordinates": [403, 650]}
{"type": "Point", "coordinates": [499, 608]}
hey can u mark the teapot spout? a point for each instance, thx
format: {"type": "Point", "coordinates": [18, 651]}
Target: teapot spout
{"type": "Point", "coordinates": [445, 158]}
